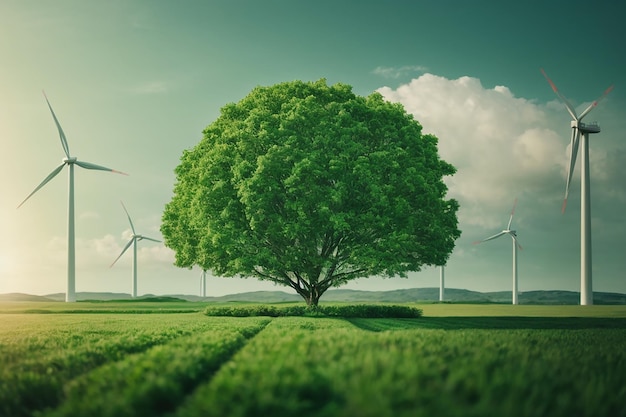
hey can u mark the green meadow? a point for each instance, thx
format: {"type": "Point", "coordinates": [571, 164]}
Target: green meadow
{"type": "Point", "coordinates": [170, 359]}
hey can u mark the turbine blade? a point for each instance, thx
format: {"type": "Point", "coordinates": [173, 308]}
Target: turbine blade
{"type": "Point", "coordinates": [149, 238]}
{"type": "Point", "coordinates": [44, 182]}
{"type": "Point", "coordinates": [130, 242]}
{"type": "Point", "coordinates": [569, 106]}
{"type": "Point", "coordinates": [595, 103]}
{"type": "Point", "coordinates": [89, 165]}
{"type": "Point", "coordinates": [490, 237]}
{"type": "Point", "coordinates": [572, 163]}
{"type": "Point", "coordinates": [508, 227]}
{"type": "Point", "coordinates": [132, 227]}
{"type": "Point", "coordinates": [66, 147]}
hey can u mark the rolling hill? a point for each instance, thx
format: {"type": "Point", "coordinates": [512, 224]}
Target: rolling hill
{"type": "Point", "coordinates": [452, 295]}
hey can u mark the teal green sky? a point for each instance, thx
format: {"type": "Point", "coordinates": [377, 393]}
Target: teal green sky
{"type": "Point", "coordinates": [133, 83]}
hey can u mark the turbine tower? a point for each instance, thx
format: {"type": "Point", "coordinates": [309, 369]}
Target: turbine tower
{"type": "Point", "coordinates": [70, 161]}
{"type": "Point", "coordinates": [441, 282]}
{"type": "Point", "coordinates": [516, 244]}
{"type": "Point", "coordinates": [203, 283]}
{"type": "Point", "coordinates": [578, 128]}
{"type": "Point", "coordinates": [133, 241]}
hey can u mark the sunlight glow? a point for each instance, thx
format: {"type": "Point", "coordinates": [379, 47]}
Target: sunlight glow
{"type": "Point", "coordinates": [5, 265]}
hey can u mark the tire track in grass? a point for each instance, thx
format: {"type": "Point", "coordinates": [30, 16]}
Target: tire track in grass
{"type": "Point", "coordinates": [35, 382]}
{"type": "Point", "coordinates": [157, 381]}
{"type": "Point", "coordinates": [489, 323]}
{"type": "Point", "coordinates": [278, 373]}
{"type": "Point", "coordinates": [380, 325]}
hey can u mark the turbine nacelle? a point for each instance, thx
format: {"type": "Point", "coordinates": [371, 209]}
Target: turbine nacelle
{"type": "Point", "coordinates": [142, 237]}
{"type": "Point", "coordinates": [592, 127]}
{"type": "Point", "coordinates": [70, 160]}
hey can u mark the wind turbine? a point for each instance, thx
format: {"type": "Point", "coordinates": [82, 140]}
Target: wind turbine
{"type": "Point", "coordinates": [578, 127]}
{"type": "Point", "coordinates": [70, 161]}
{"type": "Point", "coordinates": [133, 241]}
{"type": "Point", "coordinates": [203, 283]}
{"type": "Point", "coordinates": [441, 282]}
{"type": "Point", "coordinates": [516, 244]}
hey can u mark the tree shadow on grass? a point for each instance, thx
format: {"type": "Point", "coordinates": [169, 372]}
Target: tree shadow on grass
{"type": "Point", "coordinates": [458, 323]}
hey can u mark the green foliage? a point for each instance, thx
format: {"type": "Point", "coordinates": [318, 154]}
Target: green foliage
{"type": "Point", "coordinates": [371, 311]}
{"type": "Point", "coordinates": [344, 311]}
{"type": "Point", "coordinates": [310, 186]}
{"type": "Point", "coordinates": [256, 310]}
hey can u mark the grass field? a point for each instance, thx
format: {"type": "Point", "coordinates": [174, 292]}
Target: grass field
{"type": "Point", "coordinates": [104, 359]}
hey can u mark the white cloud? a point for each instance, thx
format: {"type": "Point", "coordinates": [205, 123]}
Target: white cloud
{"type": "Point", "coordinates": [397, 72]}
{"type": "Point", "coordinates": [96, 252]}
{"type": "Point", "coordinates": [105, 246]}
{"type": "Point", "coordinates": [157, 254]}
{"type": "Point", "coordinates": [502, 146]}
{"type": "Point", "coordinates": [127, 234]}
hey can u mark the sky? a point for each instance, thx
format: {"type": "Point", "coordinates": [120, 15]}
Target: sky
{"type": "Point", "coordinates": [134, 82]}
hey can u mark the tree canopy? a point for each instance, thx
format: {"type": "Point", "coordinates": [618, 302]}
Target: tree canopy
{"type": "Point", "coordinates": [310, 186]}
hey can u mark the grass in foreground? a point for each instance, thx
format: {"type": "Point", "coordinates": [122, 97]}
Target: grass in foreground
{"type": "Point", "coordinates": [324, 367]}
{"type": "Point", "coordinates": [447, 363]}
{"type": "Point", "coordinates": [43, 356]}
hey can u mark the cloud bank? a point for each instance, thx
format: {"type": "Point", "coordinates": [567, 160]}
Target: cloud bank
{"type": "Point", "coordinates": [502, 146]}
{"type": "Point", "coordinates": [506, 147]}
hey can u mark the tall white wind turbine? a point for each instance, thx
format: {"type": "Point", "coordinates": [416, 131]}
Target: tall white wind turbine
{"type": "Point", "coordinates": [516, 244]}
{"type": "Point", "coordinates": [578, 128]}
{"type": "Point", "coordinates": [70, 161]}
{"type": "Point", "coordinates": [133, 241]}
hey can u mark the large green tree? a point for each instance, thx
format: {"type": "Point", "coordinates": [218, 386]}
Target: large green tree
{"type": "Point", "coordinates": [310, 186]}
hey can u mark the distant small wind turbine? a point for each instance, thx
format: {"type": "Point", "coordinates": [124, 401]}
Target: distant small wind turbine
{"type": "Point", "coordinates": [578, 127]}
{"type": "Point", "coordinates": [203, 283]}
{"type": "Point", "coordinates": [133, 241]}
{"type": "Point", "coordinates": [516, 244]}
{"type": "Point", "coordinates": [441, 282]}
{"type": "Point", "coordinates": [70, 161]}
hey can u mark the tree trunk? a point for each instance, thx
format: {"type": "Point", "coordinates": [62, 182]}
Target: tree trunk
{"type": "Point", "coordinates": [312, 297]}
{"type": "Point", "coordinates": [310, 293]}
